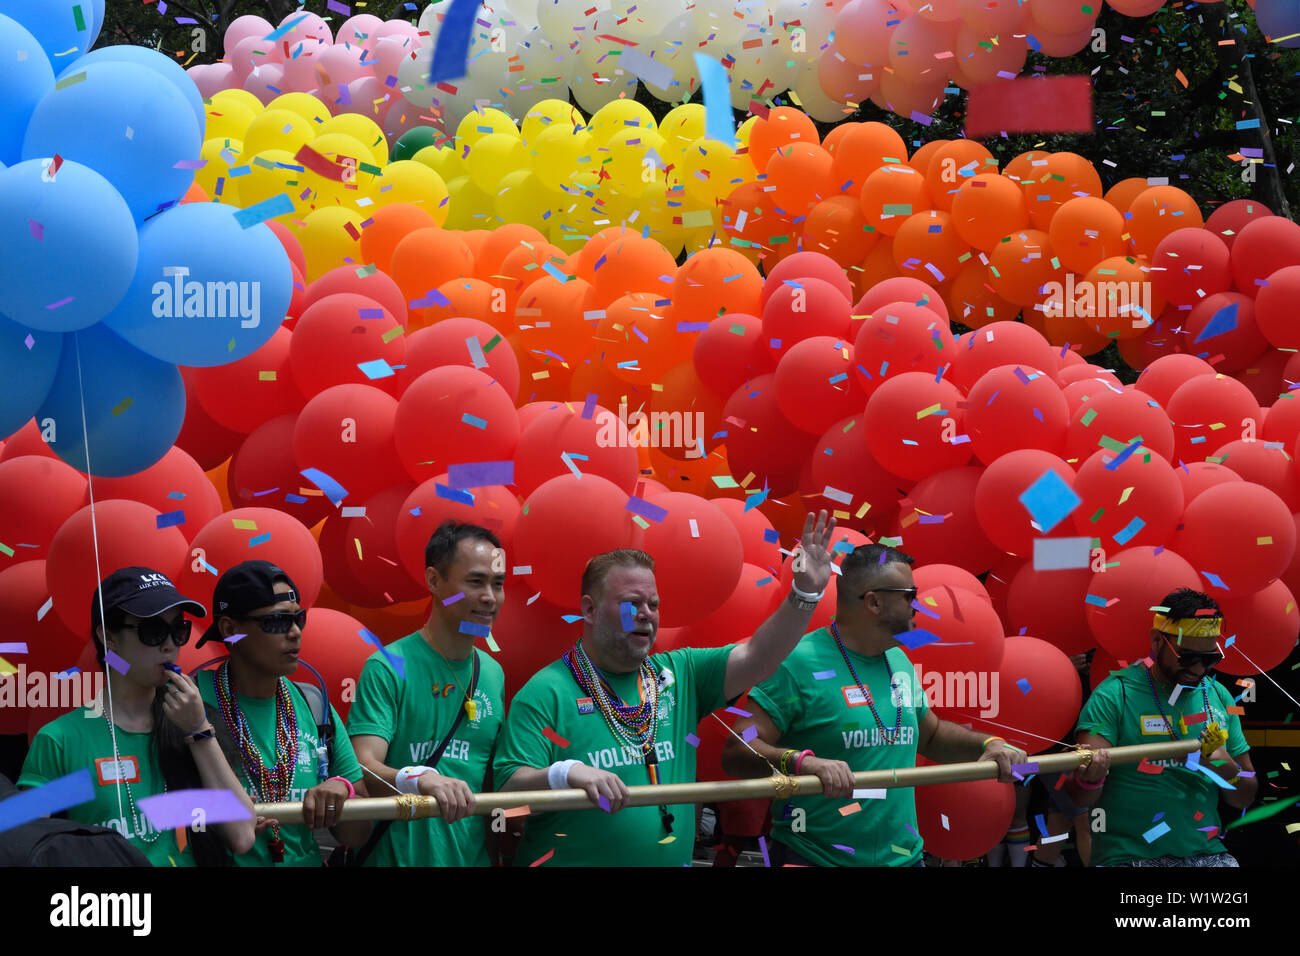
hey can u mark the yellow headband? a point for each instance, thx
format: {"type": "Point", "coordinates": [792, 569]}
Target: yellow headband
{"type": "Point", "coordinates": [1189, 626]}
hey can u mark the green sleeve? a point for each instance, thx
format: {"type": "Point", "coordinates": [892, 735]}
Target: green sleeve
{"type": "Point", "coordinates": [1237, 744]}
{"type": "Point", "coordinates": [708, 670]}
{"type": "Point", "coordinates": [343, 761]}
{"type": "Point", "coordinates": [44, 760]}
{"type": "Point", "coordinates": [374, 712]}
{"type": "Point", "coordinates": [521, 742]}
{"type": "Point", "coordinates": [779, 696]}
{"type": "Point", "coordinates": [1101, 715]}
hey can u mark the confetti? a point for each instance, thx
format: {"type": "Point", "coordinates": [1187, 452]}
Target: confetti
{"type": "Point", "coordinates": [1156, 832]}
{"type": "Point", "coordinates": [481, 474]}
{"type": "Point", "coordinates": [333, 490]}
{"type": "Point", "coordinates": [918, 637]}
{"type": "Point", "coordinates": [1047, 104]}
{"type": "Point", "coordinates": [1225, 320]}
{"type": "Point", "coordinates": [262, 211]}
{"type": "Point", "coordinates": [115, 661]}
{"type": "Point", "coordinates": [451, 51]}
{"type": "Point", "coordinates": [1060, 554]}
{"type": "Point", "coordinates": [554, 738]}
{"type": "Point", "coordinates": [54, 797]}
{"type": "Point", "coordinates": [1049, 500]}
{"type": "Point", "coordinates": [647, 510]}
{"type": "Point", "coordinates": [719, 123]}
{"type": "Point", "coordinates": [183, 808]}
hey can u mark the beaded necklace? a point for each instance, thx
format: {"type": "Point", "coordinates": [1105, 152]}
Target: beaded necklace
{"type": "Point", "coordinates": [270, 785]}
{"type": "Point", "coordinates": [130, 798]}
{"type": "Point", "coordinates": [889, 736]}
{"type": "Point", "coordinates": [1169, 726]}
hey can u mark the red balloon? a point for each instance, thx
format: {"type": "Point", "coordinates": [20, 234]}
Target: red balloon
{"type": "Point", "coordinates": [1265, 625]}
{"type": "Point", "coordinates": [37, 494]}
{"type": "Point", "coordinates": [754, 530]}
{"type": "Point", "coordinates": [1120, 415]}
{"type": "Point", "coordinates": [1051, 603]}
{"type": "Point", "coordinates": [998, 583]}
{"type": "Point", "coordinates": [446, 343]}
{"type": "Point", "coordinates": [1240, 532]}
{"type": "Point", "coordinates": [978, 814]}
{"type": "Point", "coordinates": [731, 351]}
{"type": "Point", "coordinates": [1262, 247]}
{"type": "Point", "coordinates": [1271, 467]}
{"type": "Point", "coordinates": [127, 535]}
{"type": "Point", "coordinates": [1265, 377]}
{"type": "Point", "coordinates": [843, 463]}
{"type": "Point", "coordinates": [908, 442]}
{"type": "Point", "coordinates": [244, 394]}
{"type": "Point", "coordinates": [207, 442]}
{"type": "Point", "coordinates": [395, 621]}
{"type": "Point", "coordinates": [1190, 264]}
{"type": "Point", "coordinates": [332, 643]}
{"type": "Point", "coordinates": [1075, 369]}
{"type": "Point", "coordinates": [1203, 402]}
{"type": "Point", "coordinates": [1001, 514]}
{"type": "Point", "coordinates": [567, 521]}
{"type": "Point", "coordinates": [812, 384]}
{"type": "Point", "coordinates": [452, 415]}
{"type": "Point", "coordinates": [51, 645]}
{"type": "Point", "coordinates": [765, 444]}
{"type": "Point", "coordinates": [264, 473]}
{"type": "Point", "coordinates": [602, 437]}
{"type": "Point", "coordinates": [373, 285]}
{"type": "Point", "coordinates": [62, 694]}
{"type": "Point", "coordinates": [1103, 665]}
{"type": "Point", "coordinates": [844, 542]}
{"type": "Point", "coordinates": [696, 568]}
{"type": "Point", "coordinates": [340, 333]}
{"type": "Point", "coordinates": [495, 507]}
{"type": "Point", "coordinates": [1200, 475]}
{"type": "Point", "coordinates": [1038, 693]}
{"type": "Point", "coordinates": [806, 265]}
{"type": "Point", "coordinates": [292, 247]}
{"type": "Point", "coordinates": [1239, 345]}
{"type": "Point", "coordinates": [176, 473]}
{"type": "Point", "coordinates": [1162, 377]}
{"type": "Point", "coordinates": [347, 432]}
{"type": "Point", "coordinates": [899, 337]}
{"type": "Point", "coordinates": [372, 555]}
{"type": "Point", "coordinates": [1282, 422]}
{"type": "Point", "coordinates": [1135, 580]}
{"type": "Point", "coordinates": [970, 632]}
{"type": "Point", "coordinates": [956, 536]}
{"type": "Point", "coordinates": [225, 542]}
{"type": "Point", "coordinates": [1001, 343]}
{"type": "Point", "coordinates": [928, 576]}
{"type": "Point", "coordinates": [531, 634]}
{"type": "Point", "coordinates": [1013, 407]}
{"type": "Point", "coordinates": [901, 289]}
{"type": "Point", "coordinates": [1228, 220]}
{"type": "Point", "coordinates": [1139, 500]}
{"type": "Point", "coordinates": [793, 314]}
{"type": "Point", "coordinates": [334, 544]}
{"type": "Point", "coordinates": [1274, 308]}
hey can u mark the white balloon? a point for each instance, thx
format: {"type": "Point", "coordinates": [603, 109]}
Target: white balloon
{"type": "Point", "coordinates": [815, 101]}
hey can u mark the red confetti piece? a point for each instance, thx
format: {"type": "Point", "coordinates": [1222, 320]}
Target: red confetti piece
{"type": "Point", "coordinates": [554, 738]}
{"type": "Point", "coordinates": [1145, 767]}
{"type": "Point", "coordinates": [1057, 104]}
{"type": "Point", "coordinates": [542, 859]}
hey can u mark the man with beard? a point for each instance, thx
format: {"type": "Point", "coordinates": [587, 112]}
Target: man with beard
{"type": "Point", "coordinates": [429, 706]}
{"type": "Point", "coordinates": [609, 714]}
{"type": "Point", "coordinates": [1166, 813]}
{"type": "Point", "coordinates": [848, 700]}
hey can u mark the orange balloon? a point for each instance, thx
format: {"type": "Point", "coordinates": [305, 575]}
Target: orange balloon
{"type": "Point", "coordinates": [1158, 211]}
{"type": "Point", "coordinates": [684, 393]}
{"type": "Point", "coordinates": [979, 59]}
{"type": "Point", "coordinates": [1062, 178]}
{"type": "Point", "coordinates": [765, 235]}
{"type": "Point", "coordinates": [1122, 194]}
{"type": "Point", "coordinates": [920, 160]}
{"type": "Point", "coordinates": [858, 149]}
{"type": "Point", "coordinates": [1021, 265]}
{"type": "Point", "coordinates": [1086, 230]}
{"type": "Point", "coordinates": [1022, 168]}
{"type": "Point", "coordinates": [469, 298]}
{"type": "Point", "coordinates": [801, 173]}
{"type": "Point", "coordinates": [988, 207]}
{"type": "Point", "coordinates": [952, 165]}
{"type": "Point", "coordinates": [1061, 326]}
{"type": "Point", "coordinates": [474, 240]}
{"type": "Point", "coordinates": [500, 242]}
{"type": "Point", "coordinates": [712, 282]}
{"type": "Point", "coordinates": [972, 301]}
{"type": "Point", "coordinates": [928, 248]}
{"type": "Point", "coordinates": [389, 225]}
{"type": "Point", "coordinates": [635, 330]}
{"type": "Point", "coordinates": [426, 258]}
{"type": "Point", "coordinates": [782, 126]}
{"type": "Point", "coordinates": [1120, 297]}
{"type": "Point", "coordinates": [631, 264]}
{"type": "Point", "coordinates": [548, 316]}
{"type": "Point", "coordinates": [522, 267]}
{"type": "Point", "coordinates": [878, 266]}
{"type": "Point", "coordinates": [586, 258]}
{"type": "Point", "coordinates": [890, 195]}
{"type": "Point", "coordinates": [837, 228]}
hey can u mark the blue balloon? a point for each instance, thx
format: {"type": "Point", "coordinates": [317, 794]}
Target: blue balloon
{"type": "Point", "coordinates": [69, 245]}
{"type": "Point", "coordinates": [27, 371]}
{"type": "Point", "coordinates": [143, 56]}
{"type": "Point", "coordinates": [28, 77]}
{"type": "Point", "coordinates": [207, 291]}
{"type": "Point", "coordinates": [66, 29]}
{"type": "Point", "coordinates": [125, 124]}
{"type": "Point", "coordinates": [134, 405]}
{"type": "Point", "coordinates": [1279, 18]}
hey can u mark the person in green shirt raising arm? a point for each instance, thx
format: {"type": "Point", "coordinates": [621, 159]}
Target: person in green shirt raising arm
{"type": "Point", "coordinates": [1166, 812]}
{"type": "Point", "coordinates": [609, 713]}
{"type": "Point", "coordinates": [848, 700]}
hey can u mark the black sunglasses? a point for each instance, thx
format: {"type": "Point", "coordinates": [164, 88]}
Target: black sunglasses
{"type": "Point", "coordinates": [154, 630]}
{"type": "Point", "coordinates": [279, 622]}
{"type": "Point", "coordinates": [909, 592]}
{"type": "Point", "coordinates": [1188, 658]}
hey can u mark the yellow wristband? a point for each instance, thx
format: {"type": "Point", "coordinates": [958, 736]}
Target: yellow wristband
{"type": "Point", "coordinates": [987, 740]}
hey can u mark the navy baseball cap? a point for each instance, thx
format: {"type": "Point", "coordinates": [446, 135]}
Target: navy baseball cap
{"type": "Point", "coordinates": [143, 592]}
{"type": "Point", "coordinates": [244, 588]}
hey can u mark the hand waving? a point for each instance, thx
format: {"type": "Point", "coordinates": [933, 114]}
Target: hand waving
{"type": "Point", "coordinates": [812, 556]}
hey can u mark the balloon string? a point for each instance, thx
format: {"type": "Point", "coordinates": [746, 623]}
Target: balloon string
{"type": "Point", "coordinates": [99, 576]}
{"type": "Point", "coordinates": [1264, 674]}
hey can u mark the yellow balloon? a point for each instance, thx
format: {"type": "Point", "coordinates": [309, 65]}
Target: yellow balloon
{"type": "Point", "coordinates": [443, 161]}
{"type": "Point", "coordinates": [237, 95]}
{"type": "Point", "coordinates": [468, 206]}
{"type": "Point", "coordinates": [327, 239]}
{"type": "Point", "coordinates": [481, 123]}
{"type": "Point", "coordinates": [625, 160]}
{"type": "Point", "coordinates": [220, 154]}
{"type": "Point", "coordinates": [354, 165]}
{"type": "Point", "coordinates": [710, 171]}
{"type": "Point", "coordinates": [616, 116]}
{"type": "Point", "coordinates": [361, 128]}
{"type": "Point", "coordinates": [566, 157]}
{"type": "Point", "coordinates": [271, 173]}
{"type": "Point", "coordinates": [743, 131]}
{"type": "Point", "coordinates": [277, 129]}
{"type": "Point", "coordinates": [653, 211]}
{"type": "Point", "coordinates": [228, 119]}
{"type": "Point", "coordinates": [521, 198]}
{"type": "Point", "coordinates": [549, 113]}
{"type": "Point", "coordinates": [411, 182]}
{"type": "Point", "coordinates": [492, 157]}
{"type": "Point", "coordinates": [682, 126]}
{"type": "Point", "coordinates": [304, 104]}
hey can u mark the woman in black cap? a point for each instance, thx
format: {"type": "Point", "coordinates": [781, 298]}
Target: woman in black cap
{"type": "Point", "coordinates": [150, 734]}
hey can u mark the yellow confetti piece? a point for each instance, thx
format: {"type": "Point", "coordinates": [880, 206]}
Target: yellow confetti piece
{"type": "Point", "coordinates": [122, 406]}
{"type": "Point", "coordinates": [492, 644]}
{"type": "Point", "coordinates": [850, 809]}
{"type": "Point", "coordinates": [1267, 539]}
{"type": "Point", "coordinates": [926, 412]}
{"type": "Point", "coordinates": [357, 542]}
{"type": "Point", "coordinates": [666, 840]}
{"type": "Point", "coordinates": [537, 376]}
{"type": "Point", "coordinates": [6, 667]}
{"type": "Point", "coordinates": [1124, 497]}
{"type": "Point", "coordinates": [266, 376]}
{"type": "Point", "coordinates": [899, 850]}
{"type": "Point", "coordinates": [1292, 827]}
{"type": "Point", "coordinates": [244, 524]}
{"type": "Point", "coordinates": [931, 601]}
{"type": "Point", "coordinates": [1285, 766]}
{"type": "Point", "coordinates": [392, 334]}
{"type": "Point", "coordinates": [866, 506]}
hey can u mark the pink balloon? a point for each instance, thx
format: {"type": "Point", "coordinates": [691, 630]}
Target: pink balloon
{"type": "Point", "coordinates": [862, 30]}
{"type": "Point", "coordinates": [359, 30]}
{"type": "Point", "coordinates": [262, 79]}
{"type": "Point", "coordinates": [248, 54]}
{"type": "Point", "coordinates": [342, 64]}
{"type": "Point", "coordinates": [300, 73]}
{"type": "Point", "coordinates": [212, 78]}
{"type": "Point", "coordinates": [360, 99]}
{"type": "Point", "coordinates": [913, 45]}
{"type": "Point", "coordinates": [846, 80]}
{"type": "Point", "coordinates": [309, 28]}
{"type": "Point", "coordinates": [390, 51]}
{"type": "Point", "coordinates": [243, 27]}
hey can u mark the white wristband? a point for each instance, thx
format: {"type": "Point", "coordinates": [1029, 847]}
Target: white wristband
{"type": "Point", "coordinates": [557, 775]}
{"type": "Point", "coordinates": [408, 778]}
{"type": "Point", "coordinates": [805, 595]}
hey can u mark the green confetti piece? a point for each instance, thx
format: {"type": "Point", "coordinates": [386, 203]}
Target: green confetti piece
{"type": "Point", "coordinates": [1261, 813]}
{"type": "Point", "coordinates": [724, 481]}
{"type": "Point", "coordinates": [70, 81]}
{"type": "Point", "coordinates": [122, 406]}
{"type": "Point", "coordinates": [1110, 444]}
{"type": "Point", "coordinates": [7, 551]}
{"type": "Point", "coordinates": [897, 209]}
{"type": "Point", "coordinates": [641, 521]}
{"type": "Point", "coordinates": [492, 343]}
{"type": "Point", "coordinates": [1088, 417]}
{"type": "Point", "coordinates": [392, 334]}
{"type": "Point", "coordinates": [79, 18]}
{"type": "Point", "coordinates": [367, 271]}
{"type": "Point", "coordinates": [372, 170]}
{"type": "Point", "coordinates": [899, 850]}
{"type": "Point", "coordinates": [1100, 512]}
{"type": "Point", "coordinates": [737, 330]}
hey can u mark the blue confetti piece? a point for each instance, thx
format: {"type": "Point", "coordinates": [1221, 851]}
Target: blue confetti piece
{"type": "Point", "coordinates": [259, 539]}
{"type": "Point", "coordinates": [1229, 642]}
{"type": "Point", "coordinates": [294, 499]}
{"type": "Point", "coordinates": [376, 368]}
{"type": "Point", "coordinates": [646, 510]}
{"type": "Point", "coordinates": [54, 797]}
{"type": "Point", "coordinates": [481, 474]}
{"type": "Point", "coordinates": [762, 845]}
{"type": "Point", "coordinates": [1215, 778]}
{"type": "Point", "coordinates": [551, 270]}
{"type": "Point", "coordinates": [823, 675]}
{"type": "Point", "coordinates": [264, 210]}
{"type": "Point", "coordinates": [627, 614]}
{"type": "Point", "coordinates": [749, 733]}
{"type": "Point", "coordinates": [1049, 500]}
{"type": "Point", "coordinates": [1041, 823]}
{"type": "Point", "coordinates": [1156, 832]}
{"type": "Point", "coordinates": [468, 419]}
{"type": "Point", "coordinates": [1094, 600]}
{"type": "Point", "coordinates": [692, 740]}
{"type": "Point", "coordinates": [1225, 320]}
{"type": "Point", "coordinates": [169, 519]}
{"type": "Point", "coordinates": [1215, 580]}
{"type": "Point", "coordinates": [451, 52]}
{"type": "Point", "coordinates": [589, 406]}
{"type": "Point", "coordinates": [570, 618]}
{"type": "Point", "coordinates": [1123, 456]}
{"type": "Point", "coordinates": [1193, 762]}
{"type": "Point", "coordinates": [284, 29]}
{"type": "Point", "coordinates": [115, 661]}
{"type": "Point", "coordinates": [753, 501]}
{"type": "Point", "coordinates": [333, 490]}
{"type": "Point", "coordinates": [1126, 535]}
{"type": "Point", "coordinates": [1024, 685]}
{"type": "Point", "coordinates": [394, 660]}
{"type": "Point", "coordinates": [771, 536]}
{"type": "Point", "coordinates": [719, 123]}
{"type": "Point", "coordinates": [177, 495]}
{"type": "Point", "coordinates": [478, 630]}
{"type": "Point", "coordinates": [453, 494]}
{"type": "Point", "coordinates": [918, 637]}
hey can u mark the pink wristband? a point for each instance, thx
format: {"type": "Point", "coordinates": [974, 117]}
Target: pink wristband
{"type": "Point", "coordinates": [1089, 786]}
{"type": "Point", "coordinates": [352, 791]}
{"type": "Point", "coordinates": [798, 761]}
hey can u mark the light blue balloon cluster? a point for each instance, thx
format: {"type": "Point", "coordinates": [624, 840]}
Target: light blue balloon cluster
{"type": "Point", "coordinates": [107, 284]}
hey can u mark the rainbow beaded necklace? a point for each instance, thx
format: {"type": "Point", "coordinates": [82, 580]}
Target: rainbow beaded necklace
{"type": "Point", "coordinates": [889, 736]}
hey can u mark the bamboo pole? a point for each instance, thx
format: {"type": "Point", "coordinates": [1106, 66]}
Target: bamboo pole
{"type": "Point", "coordinates": [416, 807]}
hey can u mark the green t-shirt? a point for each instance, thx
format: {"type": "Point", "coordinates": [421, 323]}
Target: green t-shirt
{"type": "Point", "coordinates": [300, 846]}
{"type": "Point", "coordinates": [691, 684]}
{"type": "Point", "coordinates": [1123, 710]}
{"type": "Point", "coordinates": [816, 705]}
{"type": "Point", "coordinates": [413, 716]}
{"type": "Point", "coordinates": [81, 739]}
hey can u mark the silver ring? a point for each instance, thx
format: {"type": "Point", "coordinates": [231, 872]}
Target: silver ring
{"type": "Point", "coordinates": [329, 806]}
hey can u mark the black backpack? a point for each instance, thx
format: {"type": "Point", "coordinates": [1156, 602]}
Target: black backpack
{"type": "Point", "coordinates": [56, 842]}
